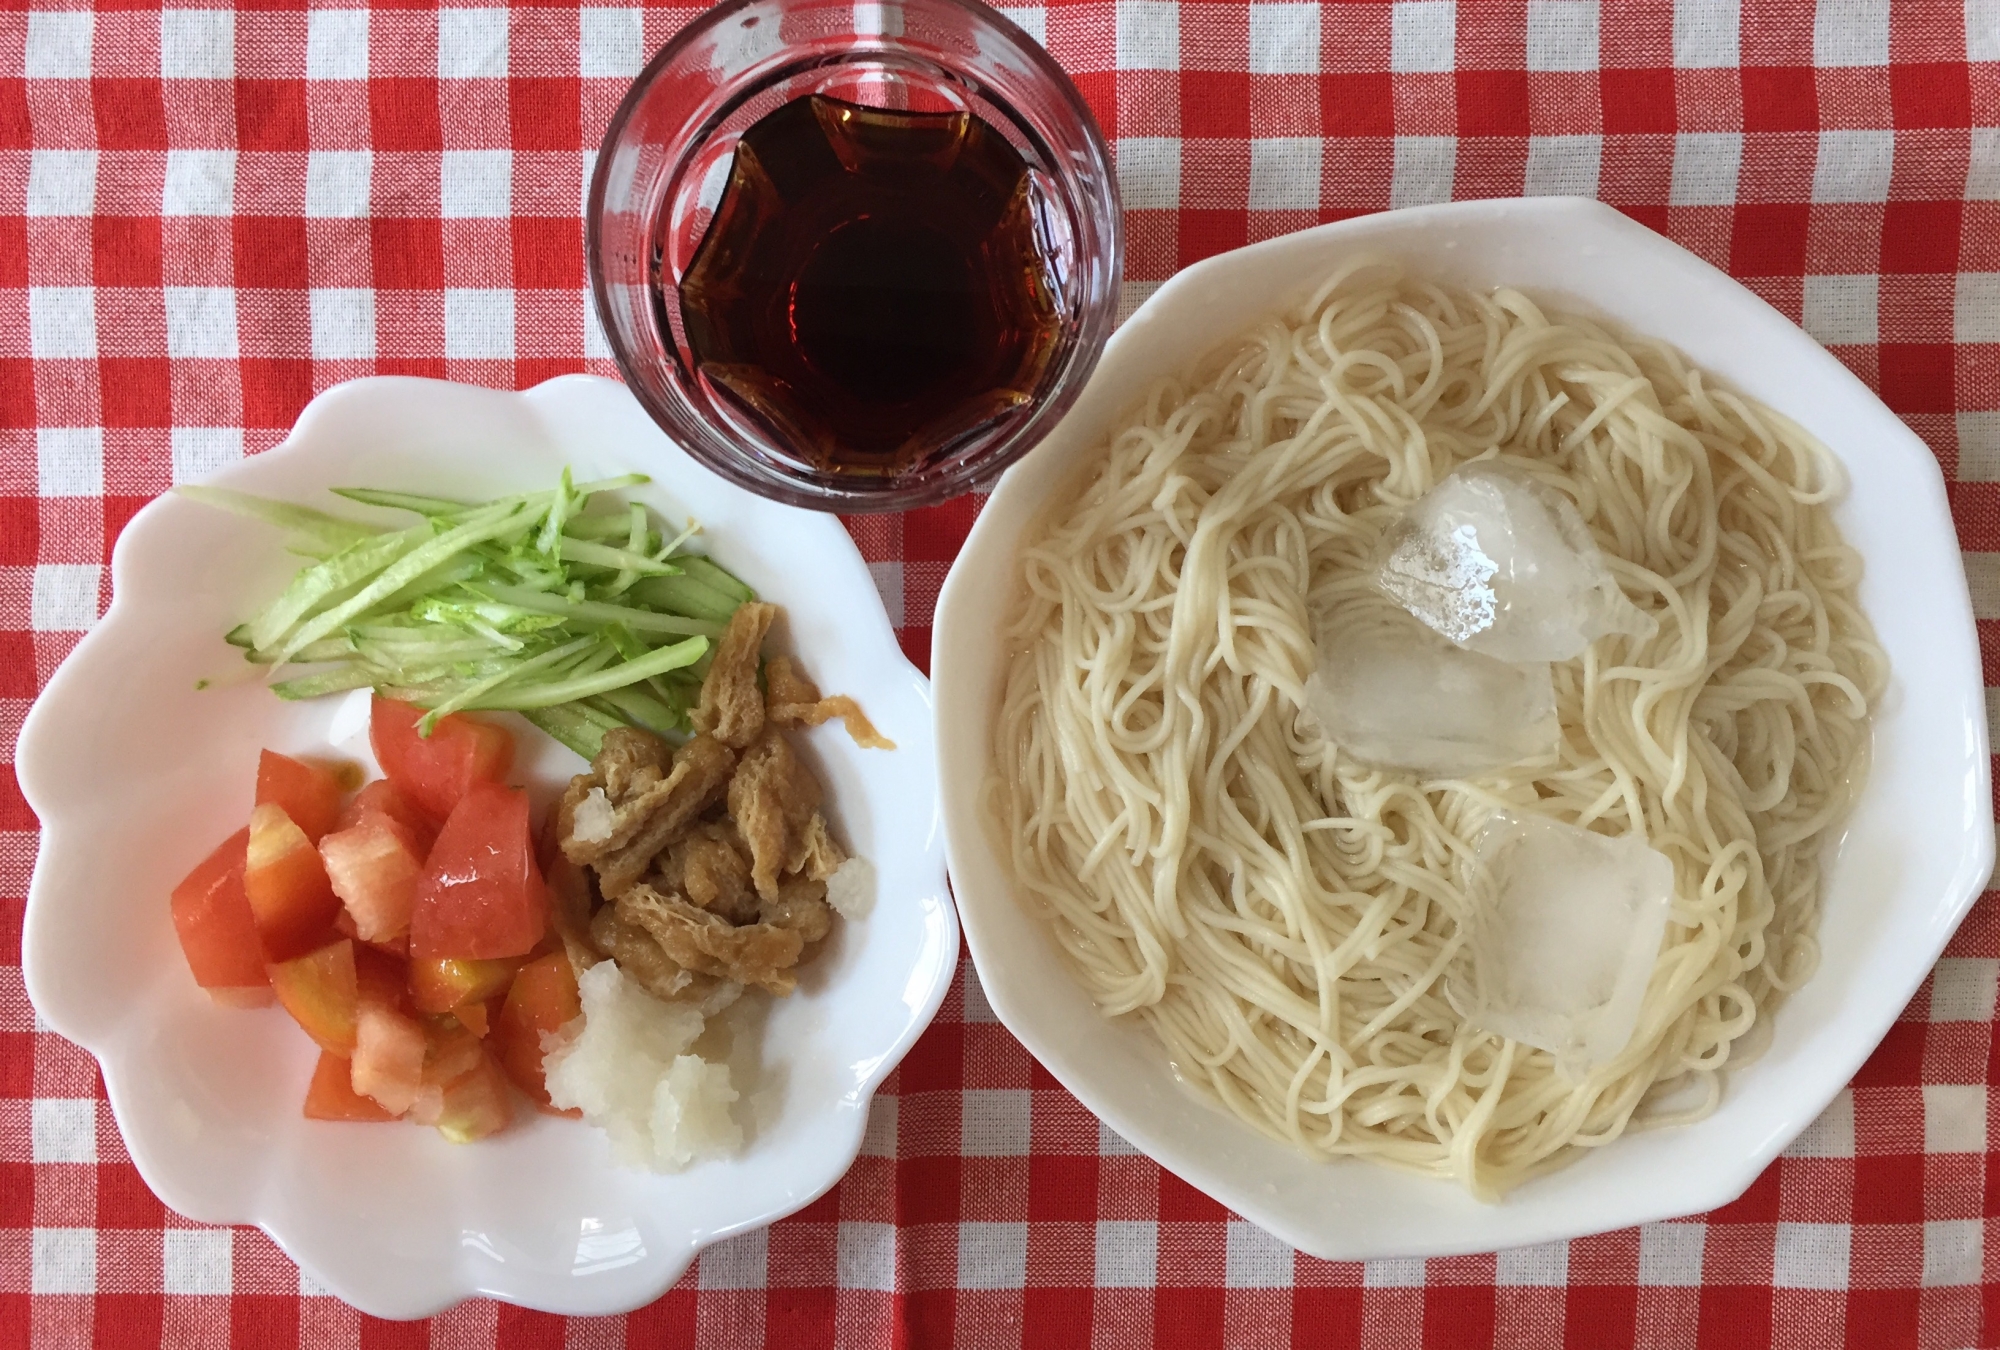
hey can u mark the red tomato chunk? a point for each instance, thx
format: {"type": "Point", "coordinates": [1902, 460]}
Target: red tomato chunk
{"type": "Point", "coordinates": [329, 1096]}
{"type": "Point", "coordinates": [217, 930]}
{"type": "Point", "coordinates": [374, 867]}
{"type": "Point", "coordinates": [543, 999]}
{"type": "Point", "coordinates": [482, 895]}
{"type": "Point", "coordinates": [292, 900]}
{"type": "Point", "coordinates": [435, 772]}
{"type": "Point", "coordinates": [310, 794]}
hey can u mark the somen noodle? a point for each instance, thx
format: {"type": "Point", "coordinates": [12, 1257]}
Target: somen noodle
{"type": "Point", "coordinates": [1288, 920]}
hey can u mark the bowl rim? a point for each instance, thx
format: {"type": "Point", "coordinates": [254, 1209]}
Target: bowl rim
{"type": "Point", "coordinates": [982, 882]}
{"type": "Point", "coordinates": [46, 980]}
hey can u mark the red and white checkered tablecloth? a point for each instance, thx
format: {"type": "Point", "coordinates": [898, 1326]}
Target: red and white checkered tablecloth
{"type": "Point", "coordinates": [208, 214]}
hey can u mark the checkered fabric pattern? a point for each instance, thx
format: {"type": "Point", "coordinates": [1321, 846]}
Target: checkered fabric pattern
{"type": "Point", "coordinates": [208, 214]}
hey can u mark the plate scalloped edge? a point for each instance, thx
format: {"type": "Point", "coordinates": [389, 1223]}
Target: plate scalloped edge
{"type": "Point", "coordinates": [125, 1001]}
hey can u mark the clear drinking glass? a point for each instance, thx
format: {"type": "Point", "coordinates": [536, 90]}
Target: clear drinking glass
{"type": "Point", "coordinates": [666, 158]}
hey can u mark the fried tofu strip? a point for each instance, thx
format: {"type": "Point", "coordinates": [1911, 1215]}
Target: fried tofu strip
{"type": "Point", "coordinates": [793, 700]}
{"type": "Point", "coordinates": [731, 707]}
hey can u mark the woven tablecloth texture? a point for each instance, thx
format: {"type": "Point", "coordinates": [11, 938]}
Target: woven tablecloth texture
{"type": "Point", "coordinates": [208, 214]}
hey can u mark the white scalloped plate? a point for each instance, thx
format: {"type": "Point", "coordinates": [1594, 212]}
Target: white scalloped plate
{"type": "Point", "coordinates": [136, 775]}
{"type": "Point", "coordinates": [1917, 851]}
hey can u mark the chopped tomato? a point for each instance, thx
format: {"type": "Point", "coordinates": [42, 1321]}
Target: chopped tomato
{"type": "Point", "coordinates": [464, 1093]}
{"type": "Point", "coordinates": [388, 1055]}
{"type": "Point", "coordinates": [543, 998]}
{"type": "Point", "coordinates": [441, 984]}
{"type": "Point", "coordinates": [435, 772]}
{"type": "Point", "coordinates": [476, 1018]}
{"type": "Point", "coordinates": [217, 930]}
{"type": "Point", "coordinates": [482, 894]}
{"type": "Point", "coordinates": [374, 867]}
{"type": "Point", "coordinates": [321, 991]}
{"type": "Point", "coordinates": [290, 897]}
{"type": "Point", "coordinates": [310, 794]}
{"type": "Point", "coordinates": [330, 1097]}
{"type": "Point", "coordinates": [383, 798]}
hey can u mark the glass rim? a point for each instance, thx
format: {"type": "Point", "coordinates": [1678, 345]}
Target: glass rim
{"type": "Point", "coordinates": [722, 453]}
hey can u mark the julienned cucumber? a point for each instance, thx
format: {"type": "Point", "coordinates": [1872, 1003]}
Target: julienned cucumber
{"type": "Point", "coordinates": [582, 619]}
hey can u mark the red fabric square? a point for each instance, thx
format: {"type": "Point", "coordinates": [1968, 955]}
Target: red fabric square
{"type": "Point", "coordinates": [1780, 98]}
{"type": "Point", "coordinates": [1734, 1317]}
{"type": "Point", "coordinates": [1931, 94]}
{"type": "Point", "coordinates": [1206, 233]}
{"type": "Point", "coordinates": [271, 115]}
{"type": "Point", "coordinates": [1598, 1315]}
{"type": "Point", "coordinates": [1769, 239]}
{"type": "Point", "coordinates": [271, 252]}
{"type": "Point", "coordinates": [17, 392]}
{"type": "Point", "coordinates": [1884, 1318]}
{"type": "Point", "coordinates": [1492, 102]}
{"type": "Point", "coordinates": [1180, 1201]}
{"type": "Point", "coordinates": [1920, 236]}
{"type": "Point", "coordinates": [275, 392]}
{"type": "Point", "coordinates": [1637, 100]}
{"type": "Point", "coordinates": [129, 115]}
{"type": "Point", "coordinates": [117, 514]}
{"type": "Point", "coordinates": [1890, 1188]}
{"type": "Point", "coordinates": [1917, 377]}
{"type": "Point", "coordinates": [1325, 1315]}
{"type": "Point", "coordinates": [1357, 105]}
{"type": "Point", "coordinates": [263, 1319]}
{"type": "Point", "coordinates": [17, 649]}
{"type": "Point", "coordinates": [16, 131]}
{"type": "Point", "coordinates": [124, 250]}
{"type": "Point", "coordinates": [408, 254]}
{"type": "Point", "coordinates": [135, 392]}
{"type": "Point", "coordinates": [542, 114]}
{"type": "Point", "coordinates": [1216, 101]}
{"type": "Point", "coordinates": [20, 531]}
{"type": "Point", "coordinates": [1758, 1204]}
{"type": "Point", "coordinates": [403, 114]}
{"type": "Point", "coordinates": [1187, 1319]}
{"type": "Point", "coordinates": [1457, 1315]}
{"type": "Point", "coordinates": [1062, 1187]}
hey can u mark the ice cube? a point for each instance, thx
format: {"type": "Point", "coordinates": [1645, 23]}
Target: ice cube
{"type": "Point", "coordinates": [1502, 564]}
{"type": "Point", "coordinates": [1392, 693]}
{"type": "Point", "coordinates": [1565, 930]}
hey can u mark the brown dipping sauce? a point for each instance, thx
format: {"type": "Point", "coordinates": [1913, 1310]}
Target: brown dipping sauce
{"type": "Point", "coordinates": [870, 291]}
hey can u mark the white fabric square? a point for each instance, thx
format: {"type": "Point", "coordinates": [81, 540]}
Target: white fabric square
{"type": "Point", "coordinates": [476, 183]}
{"type": "Point", "coordinates": [977, 1009]}
{"type": "Point", "coordinates": [64, 598]}
{"type": "Point", "coordinates": [610, 43]}
{"type": "Point", "coordinates": [478, 324]}
{"type": "Point", "coordinates": [199, 183]}
{"type": "Point", "coordinates": [995, 1122]}
{"type": "Point", "coordinates": [1978, 462]}
{"type": "Point", "coordinates": [1149, 172]}
{"type": "Point", "coordinates": [196, 1261]}
{"type": "Point", "coordinates": [1395, 1272]}
{"type": "Point", "coordinates": [1149, 35]}
{"type": "Point", "coordinates": [888, 579]}
{"type": "Point", "coordinates": [197, 44]}
{"type": "Point", "coordinates": [64, 1130]}
{"type": "Point", "coordinates": [1670, 1253]}
{"type": "Point", "coordinates": [338, 183]}
{"type": "Point", "coordinates": [1544, 1264]}
{"type": "Point", "coordinates": [878, 1138]}
{"type": "Point", "coordinates": [1284, 39]}
{"type": "Point", "coordinates": [62, 182]}
{"type": "Point", "coordinates": [1954, 1117]}
{"type": "Point", "coordinates": [1962, 987]}
{"type": "Point", "coordinates": [202, 452]}
{"type": "Point", "coordinates": [472, 44]}
{"type": "Point", "coordinates": [65, 1261]}
{"type": "Point", "coordinates": [1976, 307]}
{"type": "Point", "coordinates": [1954, 1252]}
{"type": "Point", "coordinates": [1253, 1259]}
{"type": "Point", "coordinates": [1284, 173]}
{"type": "Point", "coordinates": [337, 44]}
{"type": "Point", "coordinates": [1853, 166]}
{"type": "Point", "coordinates": [1423, 36]}
{"type": "Point", "coordinates": [992, 1255]}
{"type": "Point", "coordinates": [1832, 1134]}
{"type": "Point", "coordinates": [1982, 30]}
{"type": "Point", "coordinates": [1707, 33]}
{"type": "Point", "coordinates": [59, 43]}
{"type": "Point", "coordinates": [1030, 19]}
{"type": "Point", "coordinates": [865, 1256]}
{"type": "Point", "coordinates": [1851, 33]}
{"type": "Point", "coordinates": [1562, 166]}
{"type": "Point", "coordinates": [69, 461]}
{"type": "Point", "coordinates": [62, 321]}
{"type": "Point", "coordinates": [1705, 167]}
{"type": "Point", "coordinates": [343, 323]}
{"type": "Point", "coordinates": [1982, 175]}
{"type": "Point", "coordinates": [1128, 1252]}
{"type": "Point", "coordinates": [1841, 309]}
{"type": "Point", "coordinates": [201, 321]}
{"type": "Point", "coordinates": [1982, 578]}
{"type": "Point", "coordinates": [1112, 1144]}
{"type": "Point", "coordinates": [735, 1263]}
{"type": "Point", "coordinates": [1562, 34]}
{"type": "Point", "coordinates": [1811, 1256]}
{"type": "Point", "coordinates": [1424, 166]}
